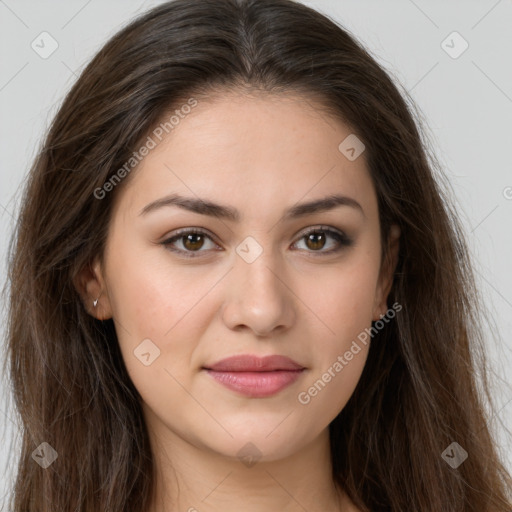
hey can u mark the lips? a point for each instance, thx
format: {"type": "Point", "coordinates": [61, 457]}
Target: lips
{"type": "Point", "coordinates": [253, 376]}
{"type": "Point", "coordinates": [255, 364]}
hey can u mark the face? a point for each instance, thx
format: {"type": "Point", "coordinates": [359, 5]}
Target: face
{"type": "Point", "coordinates": [189, 285]}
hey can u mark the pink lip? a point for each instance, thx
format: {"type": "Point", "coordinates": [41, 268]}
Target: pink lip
{"type": "Point", "coordinates": [254, 376]}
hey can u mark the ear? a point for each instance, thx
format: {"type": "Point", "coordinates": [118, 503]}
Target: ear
{"type": "Point", "coordinates": [387, 271]}
{"type": "Point", "coordinates": [90, 284]}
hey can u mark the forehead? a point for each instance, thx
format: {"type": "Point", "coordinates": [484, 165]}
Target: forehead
{"type": "Point", "coordinates": [263, 149]}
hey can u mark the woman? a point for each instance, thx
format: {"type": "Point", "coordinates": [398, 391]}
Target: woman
{"type": "Point", "coordinates": [236, 283]}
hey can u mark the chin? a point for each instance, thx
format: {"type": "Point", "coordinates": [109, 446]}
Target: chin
{"type": "Point", "coordinates": [260, 442]}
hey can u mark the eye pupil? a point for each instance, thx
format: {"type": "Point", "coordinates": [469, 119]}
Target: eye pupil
{"type": "Point", "coordinates": [192, 239]}
{"type": "Point", "coordinates": [314, 238]}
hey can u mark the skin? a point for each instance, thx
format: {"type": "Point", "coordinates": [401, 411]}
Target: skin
{"type": "Point", "coordinates": [261, 155]}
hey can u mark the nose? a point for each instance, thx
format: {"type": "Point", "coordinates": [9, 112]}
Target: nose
{"type": "Point", "coordinates": [258, 298]}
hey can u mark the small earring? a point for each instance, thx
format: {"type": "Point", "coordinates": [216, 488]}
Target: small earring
{"type": "Point", "coordinates": [95, 302]}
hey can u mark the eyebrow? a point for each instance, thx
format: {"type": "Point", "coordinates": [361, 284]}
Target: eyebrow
{"type": "Point", "coordinates": [205, 207]}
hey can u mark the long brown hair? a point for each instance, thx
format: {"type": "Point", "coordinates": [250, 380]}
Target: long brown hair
{"type": "Point", "coordinates": [418, 392]}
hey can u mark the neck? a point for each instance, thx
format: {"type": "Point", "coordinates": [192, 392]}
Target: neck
{"type": "Point", "coordinates": [195, 479]}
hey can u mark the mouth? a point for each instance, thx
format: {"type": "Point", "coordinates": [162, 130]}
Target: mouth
{"type": "Point", "coordinates": [255, 377]}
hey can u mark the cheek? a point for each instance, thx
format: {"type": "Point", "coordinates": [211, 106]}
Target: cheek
{"type": "Point", "coordinates": [150, 295]}
{"type": "Point", "coordinates": [346, 307]}
{"type": "Point", "coordinates": [340, 357]}
{"type": "Point", "coordinates": [141, 301]}
{"type": "Point", "coordinates": [344, 297]}
{"type": "Point", "coordinates": [326, 393]}
{"type": "Point", "coordinates": [166, 304]}
{"type": "Point", "coordinates": [153, 330]}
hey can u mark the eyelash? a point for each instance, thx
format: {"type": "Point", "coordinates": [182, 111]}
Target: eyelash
{"type": "Point", "coordinates": [342, 239]}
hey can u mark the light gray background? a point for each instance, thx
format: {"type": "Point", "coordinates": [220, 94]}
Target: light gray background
{"type": "Point", "coordinates": [467, 103]}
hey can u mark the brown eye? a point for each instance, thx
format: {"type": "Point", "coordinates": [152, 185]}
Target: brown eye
{"type": "Point", "coordinates": [315, 241]}
{"type": "Point", "coordinates": [318, 239]}
{"type": "Point", "coordinates": [190, 243]}
{"type": "Point", "coordinates": [193, 241]}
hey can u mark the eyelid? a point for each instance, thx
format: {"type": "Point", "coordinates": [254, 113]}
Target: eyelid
{"type": "Point", "coordinates": [190, 230]}
{"type": "Point", "coordinates": [320, 227]}
{"type": "Point", "coordinates": [342, 239]}
{"type": "Point", "coordinates": [180, 233]}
